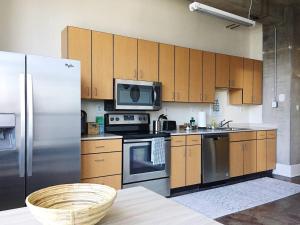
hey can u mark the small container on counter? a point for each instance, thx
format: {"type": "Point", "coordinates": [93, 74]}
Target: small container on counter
{"type": "Point", "coordinates": [100, 122]}
{"type": "Point", "coordinates": [93, 128]}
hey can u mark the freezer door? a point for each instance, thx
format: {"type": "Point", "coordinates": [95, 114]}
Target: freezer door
{"type": "Point", "coordinates": [53, 122]}
{"type": "Point", "coordinates": [12, 130]}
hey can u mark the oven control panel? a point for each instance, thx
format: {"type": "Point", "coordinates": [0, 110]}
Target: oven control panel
{"type": "Point", "coordinates": [138, 118]}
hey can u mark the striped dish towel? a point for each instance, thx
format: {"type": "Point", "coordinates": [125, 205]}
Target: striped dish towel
{"type": "Point", "coordinates": [158, 153]}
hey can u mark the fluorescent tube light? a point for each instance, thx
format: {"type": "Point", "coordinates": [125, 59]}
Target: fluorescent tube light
{"type": "Point", "coordinates": [196, 6]}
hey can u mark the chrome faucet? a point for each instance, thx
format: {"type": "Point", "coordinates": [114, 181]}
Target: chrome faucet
{"type": "Point", "coordinates": [224, 122]}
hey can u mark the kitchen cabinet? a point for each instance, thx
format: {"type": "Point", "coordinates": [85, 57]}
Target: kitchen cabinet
{"type": "Point", "coordinates": [257, 82]}
{"type": "Point", "coordinates": [209, 77]}
{"type": "Point", "coordinates": [248, 81]}
{"type": "Point", "coordinates": [181, 74]}
{"type": "Point", "coordinates": [242, 155]}
{"type": "Point", "coordinates": [222, 71]}
{"type": "Point", "coordinates": [250, 157]}
{"type": "Point", "coordinates": [185, 160]}
{"type": "Point", "coordinates": [101, 162]}
{"type": "Point", "coordinates": [236, 66]}
{"type": "Point", "coordinates": [193, 165]}
{"type": "Point", "coordinates": [166, 71]}
{"type": "Point", "coordinates": [271, 150]}
{"type": "Point", "coordinates": [147, 60]}
{"type": "Point", "coordinates": [261, 155]}
{"type": "Point", "coordinates": [76, 44]}
{"type": "Point", "coordinates": [196, 77]}
{"type": "Point", "coordinates": [177, 167]}
{"type": "Point", "coordinates": [236, 159]}
{"type": "Point", "coordinates": [125, 58]}
{"type": "Point", "coordinates": [102, 65]}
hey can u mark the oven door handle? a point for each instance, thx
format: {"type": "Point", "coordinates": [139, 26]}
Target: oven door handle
{"type": "Point", "coordinates": [142, 140]}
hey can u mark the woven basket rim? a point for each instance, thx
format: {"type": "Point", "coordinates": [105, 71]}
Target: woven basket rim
{"type": "Point", "coordinates": [28, 203]}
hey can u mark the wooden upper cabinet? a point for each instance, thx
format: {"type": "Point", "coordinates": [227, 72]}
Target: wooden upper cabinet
{"type": "Point", "coordinates": [236, 159]}
{"type": "Point", "coordinates": [222, 71]}
{"type": "Point", "coordinates": [166, 71]}
{"type": "Point", "coordinates": [236, 72]}
{"type": "Point", "coordinates": [209, 76]}
{"type": "Point", "coordinates": [76, 44]}
{"type": "Point", "coordinates": [248, 81]}
{"type": "Point", "coordinates": [181, 74]}
{"type": "Point", "coordinates": [177, 176]}
{"type": "Point", "coordinates": [195, 86]}
{"type": "Point", "coordinates": [102, 65]}
{"type": "Point", "coordinates": [257, 82]}
{"type": "Point", "coordinates": [125, 57]}
{"type": "Point", "coordinates": [147, 60]}
{"type": "Point", "coordinates": [193, 165]}
{"type": "Point", "coordinates": [250, 157]}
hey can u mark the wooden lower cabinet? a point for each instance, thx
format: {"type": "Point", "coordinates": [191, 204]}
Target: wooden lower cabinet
{"type": "Point", "coordinates": [114, 181]}
{"type": "Point", "coordinates": [249, 157]}
{"type": "Point", "coordinates": [236, 159]}
{"type": "Point", "coordinates": [261, 151]}
{"type": "Point", "coordinates": [177, 166]}
{"type": "Point", "coordinates": [271, 154]}
{"type": "Point", "coordinates": [193, 165]}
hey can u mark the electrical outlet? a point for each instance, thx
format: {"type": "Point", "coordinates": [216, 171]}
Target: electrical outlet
{"type": "Point", "coordinates": [274, 104]}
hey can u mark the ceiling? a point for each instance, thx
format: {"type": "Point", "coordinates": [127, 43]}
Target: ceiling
{"type": "Point", "coordinates": [263, 11]}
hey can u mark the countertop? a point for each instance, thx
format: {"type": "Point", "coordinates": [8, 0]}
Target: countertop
{"type": "Point", "coordinates": [246, 127]}
{"type": "Point", "coordinates": [137, 206]}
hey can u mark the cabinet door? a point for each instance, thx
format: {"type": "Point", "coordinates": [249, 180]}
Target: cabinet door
{"type": "Point", "coordinates": [236, 72]}
{"type": "Point", "coordinates": [209, 76]}
{"type": "Point", "coordinates": [102, 65]}
{"type": "Point", "coordinates": [193, 165]}
{"type": "Point", "coordinates": [261, 155]}
{"type": "Point", "coordinates": [236, 159]}
{"type": "Point", "coordinates": [147, 60]}
{"type": "Point", "coordinates": [195, 86]}
{"type": "Point", "coordinates": [271, 154]}
{"type": "Point", "coordinates": [248, 81]}
{"type": "Point", "coordinates": [181, 74]}
{"type": "Point", "coordinates": [249, 157]}
{"type": "Point", "coordinates": [177, 167]}
{"type": "Point", "coordinates": [222, 71]}
{"type": "Point", "coordinates": [257, 82]}
{"type": "Point", "coordinates": [166, 71]}
{"type": "Point", "coordinates": [79, 47]}
{"type": "Point", "coordinates": [125, 57]}
{"type": "Point", "coordinates": [114, 181]}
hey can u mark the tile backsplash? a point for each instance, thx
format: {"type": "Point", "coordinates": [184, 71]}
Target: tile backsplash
{"type": "Point", "coordinates": [182, 112]}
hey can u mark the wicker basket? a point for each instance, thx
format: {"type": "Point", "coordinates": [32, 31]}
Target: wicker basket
{"type": "Point", "coordinates": [71, 204]}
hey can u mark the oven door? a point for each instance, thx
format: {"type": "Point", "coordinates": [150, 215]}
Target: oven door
{"type": "Point", "coordinates": [137, 95]}
{"type": "Point", "coordinates": [137, 164]}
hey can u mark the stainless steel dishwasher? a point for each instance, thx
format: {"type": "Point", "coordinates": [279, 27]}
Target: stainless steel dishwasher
{"type": "Point", "coordinates": [215, 157]}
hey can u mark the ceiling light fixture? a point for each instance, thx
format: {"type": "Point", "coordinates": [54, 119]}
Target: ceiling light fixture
{"type": "Point", "coordinates": [199, 7]}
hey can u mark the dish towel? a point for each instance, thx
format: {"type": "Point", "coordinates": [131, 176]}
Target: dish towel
{"type": "Point", "coordinates": [158, 153]}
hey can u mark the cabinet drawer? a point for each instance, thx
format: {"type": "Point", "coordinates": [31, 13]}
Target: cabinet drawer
{"type": "Point", "coordinates": [261, 134]}
{"type": "Point", "coordinates": [100, 146]}
{"type": "Point", "coordinates": [193, 139]}
{"type": "Point", "coordinates": [112, 181]}
{"type": "Point", "coordinates": [178, 140]}
{"type": "Point", "coordinates": [242, 136]}
{"type": "Point", "coordinates": [271, 134]}
{"type": "Point", "coordinates": [98, 165]}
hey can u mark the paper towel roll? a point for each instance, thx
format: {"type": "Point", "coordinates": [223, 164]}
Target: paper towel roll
{"type": "Point", "coordinates": [202, 119]}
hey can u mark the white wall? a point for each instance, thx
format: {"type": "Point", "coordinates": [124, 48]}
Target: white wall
{"type": "Point", "coordinates": [34, 26]}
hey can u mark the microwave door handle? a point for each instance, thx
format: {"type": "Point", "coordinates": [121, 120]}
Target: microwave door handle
{"type": "Point", "coordinates": [154, 96]}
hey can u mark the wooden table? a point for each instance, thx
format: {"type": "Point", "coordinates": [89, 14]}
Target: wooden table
{"type": "Point", "coordinates": [133, 206]}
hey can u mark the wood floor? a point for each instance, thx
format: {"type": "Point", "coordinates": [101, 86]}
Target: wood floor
{"type": "Point", "coordinates": [281, 212]}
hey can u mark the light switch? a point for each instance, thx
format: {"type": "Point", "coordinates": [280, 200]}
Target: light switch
{"type": "Point", "coordinates": [281, 97]}
{"type": "Point", "coordinates": [297, 107]}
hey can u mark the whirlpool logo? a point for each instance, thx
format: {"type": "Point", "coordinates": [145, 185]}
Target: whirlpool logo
{"type": "Point", "coordinates": [69, 65]}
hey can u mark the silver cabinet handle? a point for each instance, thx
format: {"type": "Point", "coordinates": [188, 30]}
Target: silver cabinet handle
{"type": "Point", "coordinates": [23, 127]}
{"type": "Point", "coordinates": [29, 124]}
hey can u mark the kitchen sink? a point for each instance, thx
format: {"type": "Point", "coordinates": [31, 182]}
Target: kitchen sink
{"type": "Point", "coordinates": [232, 128]}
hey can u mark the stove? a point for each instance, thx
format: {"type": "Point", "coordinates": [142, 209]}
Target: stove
{"type": "Point", "coordinates": [146, 154]}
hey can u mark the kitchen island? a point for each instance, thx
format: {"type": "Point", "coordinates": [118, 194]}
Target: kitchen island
{"type": "Point", "coordinates": [133, 206]}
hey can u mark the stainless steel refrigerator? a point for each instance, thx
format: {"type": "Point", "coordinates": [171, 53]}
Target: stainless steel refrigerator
{"type": "Point", "coordinates": [39, 125]}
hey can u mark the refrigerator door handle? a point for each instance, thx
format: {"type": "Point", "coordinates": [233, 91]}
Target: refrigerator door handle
{"type": "Point", "coordinates": [23, 126]}
{"type": "Point", "coordinates": [29, 124]}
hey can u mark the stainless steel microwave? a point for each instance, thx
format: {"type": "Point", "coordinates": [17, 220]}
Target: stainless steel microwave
{"type": "Point", "coordinates": [137, 95]}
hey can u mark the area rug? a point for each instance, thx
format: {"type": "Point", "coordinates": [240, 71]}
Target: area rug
{"type": "Point", "coordinates": [229, 199]}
